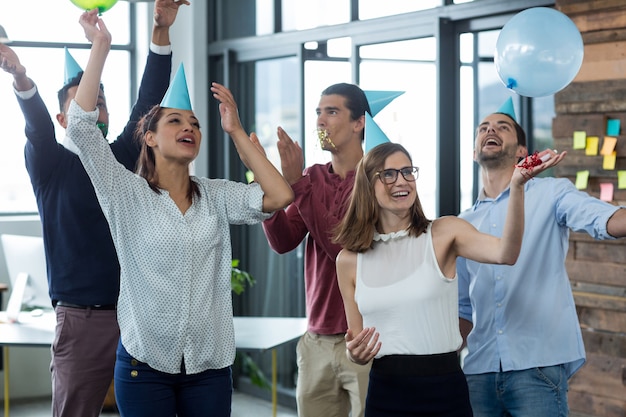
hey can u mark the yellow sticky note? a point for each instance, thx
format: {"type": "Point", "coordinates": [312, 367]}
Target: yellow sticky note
{"type": "Point", "coordinates": [580, 139]}
{"type": "Point", "coordinates": [621, 180]}
{"type": "Point", "coordinates": [606, 191]}
{"type": "Point", "coordinates": [592, 145]}
{"type": "Point", "coordinates": [608, 146]}
{"type": "Point", "coordinates": [609, 161]}
{"type": "Point", "coordinates": [582, 178]}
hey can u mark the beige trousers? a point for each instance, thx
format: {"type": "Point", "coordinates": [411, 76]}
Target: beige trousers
{"type": "Point", "coordinates": [329, 384]}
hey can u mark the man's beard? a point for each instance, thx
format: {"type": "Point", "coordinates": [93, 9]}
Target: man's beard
{"type": "Point", "coordinates": [495, 160]}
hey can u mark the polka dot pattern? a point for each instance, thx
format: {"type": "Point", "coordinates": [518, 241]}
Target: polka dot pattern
{"type": "Point", "coordinates": [175, 298]}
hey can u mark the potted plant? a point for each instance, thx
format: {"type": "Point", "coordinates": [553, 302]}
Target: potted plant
{"type": "Point", "coordinates": [239, 281]}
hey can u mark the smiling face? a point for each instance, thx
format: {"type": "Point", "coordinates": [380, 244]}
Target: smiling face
{"type": "Point", "coordinates": [177, 136]}
{"type": "Point", "coordinates": [399, 196]}
{"type": "Point", "coordinates": [497, 143]}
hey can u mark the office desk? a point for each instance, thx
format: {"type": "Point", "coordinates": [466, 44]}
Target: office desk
{"type": "Point", "coordinates": [251, 333]}
{"type": "Point", "coordinates": [265, 333]}
{"type": "Point", "coordinates": [29, 331]}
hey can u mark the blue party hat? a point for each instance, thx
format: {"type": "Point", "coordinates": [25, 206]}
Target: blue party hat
{"type": "Point", "coordinates": [177, 95]}
{"type": "Point", "coordinates": [507, 108]}
{"type": "Point", "coordinates": [374, 135]}
{"type": "Point", "coordinates": [72, 69]}
{"type": "Point", "coordinates": [379, 99]}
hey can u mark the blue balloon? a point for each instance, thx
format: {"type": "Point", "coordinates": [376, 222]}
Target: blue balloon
{"type": "Point", "coordinates": [538, 52]}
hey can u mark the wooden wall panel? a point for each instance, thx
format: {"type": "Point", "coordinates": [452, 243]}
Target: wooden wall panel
{"type": "Point", "coordinates": [597, 269]}
{"type": "Point", "coordinates": [601, 376]}
{"type": "Point", "coordinates": [603, 61]}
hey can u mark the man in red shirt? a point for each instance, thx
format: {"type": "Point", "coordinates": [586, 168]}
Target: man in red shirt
{"type": "Point", "coordinates": [329, 384]}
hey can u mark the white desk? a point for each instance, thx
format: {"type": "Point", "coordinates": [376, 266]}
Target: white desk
{"type": "Point", "coordinates": [264, 333]}
{"type": "Point", "coordinates": [251, 333]}
{"type": "Point", "coordinates": [29, 331]}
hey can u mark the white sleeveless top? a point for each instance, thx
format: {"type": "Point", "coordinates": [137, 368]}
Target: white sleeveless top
{"type": "Point", "coordinates": [401, 291]}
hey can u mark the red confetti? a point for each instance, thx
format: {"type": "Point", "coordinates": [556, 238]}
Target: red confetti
{"type": "Point", "coordinates": [530, 161]}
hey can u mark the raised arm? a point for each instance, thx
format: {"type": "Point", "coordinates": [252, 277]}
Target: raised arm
{"type": "Point", "coordinates": [100, 38]}
{"type": "Point", "coordinates": [277, 192]}
{"type": "Point", "coordinates": [480, 247]}
{"type": "Point", "coordinates": [10, 63]}
{"type": "Point", "coordinates": [165, 12]}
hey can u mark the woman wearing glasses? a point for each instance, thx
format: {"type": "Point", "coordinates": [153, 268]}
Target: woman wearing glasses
{"type": "Point", "coordinates": [397, 276]}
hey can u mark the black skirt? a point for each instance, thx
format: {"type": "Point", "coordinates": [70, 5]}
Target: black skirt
{"type": "Point", "coordinates": [417, 385]}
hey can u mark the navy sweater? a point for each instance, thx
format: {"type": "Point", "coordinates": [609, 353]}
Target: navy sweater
{"type": "Point", "coordinates": [81, 259]}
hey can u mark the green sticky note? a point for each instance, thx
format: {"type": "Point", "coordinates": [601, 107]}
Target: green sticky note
{"type": "Point", "coordinates": [621, 180]}
{"type": "Point", "coordinates": [249, 176]}
{"type": "Point", "coordinates": [582, 179]}
{"type": "Point", "coordinates": [612, 127]}
{"type": "Point", "coordinates": [580, 139]}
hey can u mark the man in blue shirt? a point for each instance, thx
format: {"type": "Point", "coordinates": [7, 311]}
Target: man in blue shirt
{"type": "Point", "coordinates": [83, 271]}
{"type": "Point", "coordinates": [525, 339]}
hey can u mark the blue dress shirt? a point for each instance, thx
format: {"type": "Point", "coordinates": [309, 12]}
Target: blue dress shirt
{"type": "Point", "coordinates": [524, 315]}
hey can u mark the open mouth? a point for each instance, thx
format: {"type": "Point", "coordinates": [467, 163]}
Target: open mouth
{"type": "Point", "coordinates": [492, 141]}
{"type": "Point", "coordinates": [322, 136]}
{"type": "Point", "coordinates": [400, 194]}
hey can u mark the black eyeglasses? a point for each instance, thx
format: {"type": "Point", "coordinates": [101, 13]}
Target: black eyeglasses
{"type": "Point", "coordinates": [390, 176]}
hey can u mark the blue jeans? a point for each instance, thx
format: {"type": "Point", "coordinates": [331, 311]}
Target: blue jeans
{"type": "Point", "coordinates": [535, 392]}
{"type": "Point", "coordinates": [141, 391]}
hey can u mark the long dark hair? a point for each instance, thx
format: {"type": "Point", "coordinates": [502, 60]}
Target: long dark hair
{"type": "Point", "coordinates": [146, 164]}
{"type": "Point", "coordinates": [356, 230]}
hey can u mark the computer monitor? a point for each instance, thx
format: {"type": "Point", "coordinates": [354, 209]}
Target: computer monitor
{"type": "Point", "coordinates": [25, 254]}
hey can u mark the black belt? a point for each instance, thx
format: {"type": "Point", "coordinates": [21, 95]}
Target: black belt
{"type": "Point", "coordinates": [82, 307]}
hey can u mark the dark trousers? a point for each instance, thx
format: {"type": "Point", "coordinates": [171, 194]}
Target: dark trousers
{"type": "Point", "coordinates": [417, 385]}
{"type": "Point", "coordinates": [83, 359]}
{"type": "Point", "coordinates": [141, 391]}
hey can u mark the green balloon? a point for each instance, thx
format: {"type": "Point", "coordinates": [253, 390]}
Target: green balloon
{"type": "Point", "coordinates": [101, 5]}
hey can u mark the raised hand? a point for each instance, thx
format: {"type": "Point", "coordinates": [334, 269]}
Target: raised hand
{"type": "Point", "coordinates": [165, 11]}
{"type": "Point", "coordinates": [94, 27]}
{"type": "Point", "coordinates": [9, 61]}
{"type": "Point", "coordinates": [228, 108]}
{"type": "Point", "coordinates": [291, 157]}
{"type": "Point", "coordinates": [536, 164]}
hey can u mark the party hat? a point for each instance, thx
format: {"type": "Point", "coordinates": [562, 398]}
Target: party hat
{"type": "Point", "coordinates": [374, 135]}
{"type": "Point", "coordinates": [507, 108]}
{"type": "Point", "coordinates": [379, 99]}
{"type": "Point", "coordinates": [177, 95]}
{"type": "Point", "coordinates": [72, 69]}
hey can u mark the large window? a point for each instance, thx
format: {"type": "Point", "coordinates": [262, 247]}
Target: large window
{"type": "Point", "coordinates": [482, 92]}
{"type": "Point", "coordinates": [410, 119]}
{"type": "Point", "coordinates": [52, 25]}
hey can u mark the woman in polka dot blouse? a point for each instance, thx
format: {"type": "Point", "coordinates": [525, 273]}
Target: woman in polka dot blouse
{"type": "Point", "coordinates": [171, 232]}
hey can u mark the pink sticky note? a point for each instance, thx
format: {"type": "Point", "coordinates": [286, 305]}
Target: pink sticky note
{"type": "Point", "coordinates": [606, 191]}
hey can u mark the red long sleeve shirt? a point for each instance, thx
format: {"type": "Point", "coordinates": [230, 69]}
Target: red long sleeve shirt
{"type": "Point", "coordinates": [321, 199]}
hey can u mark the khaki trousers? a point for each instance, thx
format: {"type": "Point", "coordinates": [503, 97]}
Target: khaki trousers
{"type": "Point", "coordinates": [329, 384]}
